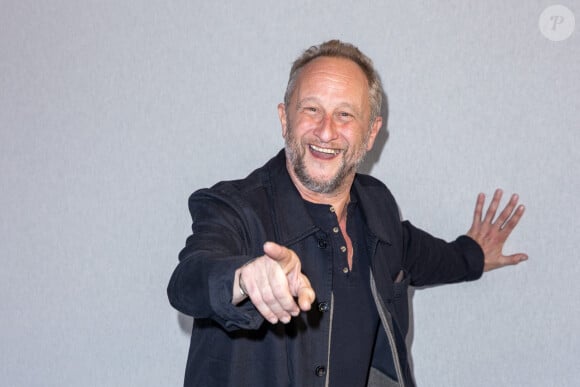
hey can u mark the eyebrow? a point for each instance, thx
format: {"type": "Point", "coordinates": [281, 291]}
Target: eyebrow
{"type": "Point", "coordinates": [302, 102]}
{"type": "Point", "coordinates": [306, 100]}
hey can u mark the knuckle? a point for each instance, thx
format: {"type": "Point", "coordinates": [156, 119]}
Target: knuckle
{"type": "Point", "coordinates": [269, 298]}
{"type": "Point", "coordinates": [287, 305]}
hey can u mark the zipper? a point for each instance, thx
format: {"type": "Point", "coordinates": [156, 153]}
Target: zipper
{"type": "Point", "coordinates": [386, 321]}
{"type": "Point", "coordinates": [327, 381]}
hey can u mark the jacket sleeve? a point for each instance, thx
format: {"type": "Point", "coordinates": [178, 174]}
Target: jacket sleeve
{"type": "Point", "coordinates": [201, 285]}
{"type": "Point", "coordinates": [431, 261]}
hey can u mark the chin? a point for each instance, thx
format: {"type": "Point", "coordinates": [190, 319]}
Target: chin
{"type": "Point", "coordinates": [318, 183]}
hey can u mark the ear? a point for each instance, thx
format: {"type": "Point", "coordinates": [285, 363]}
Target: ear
{"type": "Point", "coordinates": [282, 117]}
{"type": "Point", "coordinates": [375, 127]}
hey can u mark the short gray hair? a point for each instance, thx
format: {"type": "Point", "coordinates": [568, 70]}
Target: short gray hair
{"type": "Point", "coordinates": [338, 49]}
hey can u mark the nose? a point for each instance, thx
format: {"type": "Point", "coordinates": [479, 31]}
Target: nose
{"type": "Point", "coordinates": [326, 130]}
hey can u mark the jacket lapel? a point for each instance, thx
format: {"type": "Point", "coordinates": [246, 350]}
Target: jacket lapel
{"type": "Point", "coordinates": [290, 217]}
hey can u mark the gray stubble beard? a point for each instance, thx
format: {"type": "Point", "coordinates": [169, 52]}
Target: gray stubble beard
{"type": "Point", "coordinates": [295, 154]}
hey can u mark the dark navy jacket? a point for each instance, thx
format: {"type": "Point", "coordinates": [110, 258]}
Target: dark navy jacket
{"type": "Point", "coordinates": [234, 346]}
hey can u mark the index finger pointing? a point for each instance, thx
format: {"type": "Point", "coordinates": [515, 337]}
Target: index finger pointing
{"type": "Point", "coordinates": [280, 254]}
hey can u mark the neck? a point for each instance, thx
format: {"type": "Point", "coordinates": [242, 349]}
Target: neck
{"type": "Point", "coordinates": [338, 199]}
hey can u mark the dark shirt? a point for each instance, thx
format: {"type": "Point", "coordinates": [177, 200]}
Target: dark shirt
{"type": "Point", "coordinates": [355, 319]}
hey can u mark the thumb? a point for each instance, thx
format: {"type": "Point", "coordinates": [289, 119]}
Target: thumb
{"type": "Point", "coordinates": [306, 295]}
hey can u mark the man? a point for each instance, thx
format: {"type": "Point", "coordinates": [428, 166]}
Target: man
{"type": "Point", "coordinates": [297, 275]}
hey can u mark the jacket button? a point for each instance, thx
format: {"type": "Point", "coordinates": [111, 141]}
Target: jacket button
{"type": "Point", "coordinates": [323, 307]}
{"type": "Point", "coordinates": [322, 244]}
{"type": "Point", "coordinates": [320, 371]}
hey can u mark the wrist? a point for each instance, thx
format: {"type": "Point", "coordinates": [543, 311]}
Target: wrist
{"type": "Point", "coordinates": [239, 291]}
{"type": "Point", "coordinates": [238, 294]}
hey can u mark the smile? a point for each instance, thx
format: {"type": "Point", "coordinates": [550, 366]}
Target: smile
{"type": "Point", "coordinates": [328, 151]}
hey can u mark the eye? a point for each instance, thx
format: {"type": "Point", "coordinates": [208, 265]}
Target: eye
{"type": "Point", "coordinates": [345, 116]}
{"type": "Point", "coordinates": [314, 112]}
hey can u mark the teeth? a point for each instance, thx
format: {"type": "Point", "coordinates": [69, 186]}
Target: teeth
{"type": "Point", "coordinates": [325, 150]}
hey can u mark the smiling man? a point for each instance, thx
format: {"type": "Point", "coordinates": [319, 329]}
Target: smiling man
{"type": "Point", "coordinates": [298, 274]}
{"type": "Point", "coordinates": [328, 125]}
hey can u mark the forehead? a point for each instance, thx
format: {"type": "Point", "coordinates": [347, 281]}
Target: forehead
{"type": "Point", "coordinates": [330, 75]}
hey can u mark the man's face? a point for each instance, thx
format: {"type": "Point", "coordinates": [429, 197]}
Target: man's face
{"type": "Point", "coordinates": [327, 126]}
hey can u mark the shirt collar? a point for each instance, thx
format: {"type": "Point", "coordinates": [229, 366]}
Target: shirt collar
{"type": "Point", "coordinates": [292, 220]}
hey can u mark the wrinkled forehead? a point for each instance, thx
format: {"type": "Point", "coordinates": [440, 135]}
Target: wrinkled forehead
{"type": "Point", "coordinates": [330, 76]}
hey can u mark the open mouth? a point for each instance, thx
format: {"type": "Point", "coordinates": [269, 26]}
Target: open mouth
{"type": "Point", "coordinates": [324, 151]}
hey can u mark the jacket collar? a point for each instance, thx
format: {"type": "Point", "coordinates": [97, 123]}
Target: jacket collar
{"type": "Point", "coordinates": [373, 201]}
{"type": "Point", "coordinates": [291, 218]}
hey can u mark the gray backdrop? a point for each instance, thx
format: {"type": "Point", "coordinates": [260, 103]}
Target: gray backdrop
{"type": "Point", "coordinates": [113, 112]}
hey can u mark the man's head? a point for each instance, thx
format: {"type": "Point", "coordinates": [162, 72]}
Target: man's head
{"type": "Point", "coordinates": [338, 49]}
{"type": "Point", "coordinates": [331, 116]}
